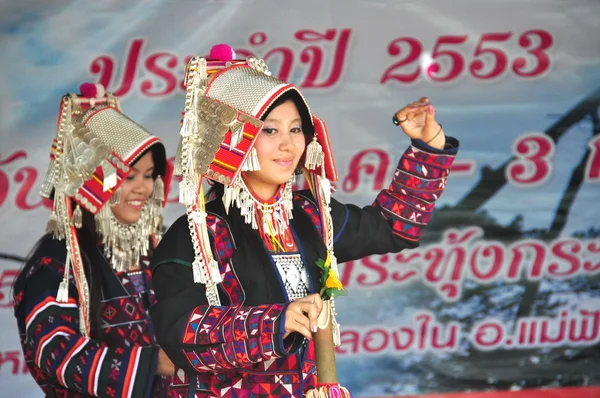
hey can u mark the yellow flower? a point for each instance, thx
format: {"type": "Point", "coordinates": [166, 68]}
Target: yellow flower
{"type": "Point", "coordinates": [333, 281]}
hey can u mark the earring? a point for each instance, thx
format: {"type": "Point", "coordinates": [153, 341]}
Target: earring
{"type": "Point", "coordinates": [314, 155]}
{"type": "Point", "coordinates": [158, 194]}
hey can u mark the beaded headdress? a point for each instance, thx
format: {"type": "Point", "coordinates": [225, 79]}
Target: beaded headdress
{"type": "Point", "coordinates": [225, 101]}
{"type": "Point", "coordinates": [93, 152]}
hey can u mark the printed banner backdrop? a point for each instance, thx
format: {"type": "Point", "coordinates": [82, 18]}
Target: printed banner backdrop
{"type": "Point", "coordinates": [504, 292]}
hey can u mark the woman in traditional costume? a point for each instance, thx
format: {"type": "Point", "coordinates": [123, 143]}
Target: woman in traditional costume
{"type": "Point", "coordinates": [242, 278]}
{"type": "Point", "coordinates": [82, 298]}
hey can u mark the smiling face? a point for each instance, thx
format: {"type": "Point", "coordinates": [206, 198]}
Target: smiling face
{"type": "Point", "coordinates": [279, 147]}
{"type": "Point", "coordinates": [135, 191]}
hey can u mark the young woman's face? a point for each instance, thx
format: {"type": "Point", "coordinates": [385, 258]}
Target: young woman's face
{"type": "Point", "coordinates": [279, 147]}
{"type": "Point", "coordinates": [135, 191]}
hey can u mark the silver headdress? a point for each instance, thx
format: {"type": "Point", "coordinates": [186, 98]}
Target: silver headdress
{"type": "Point", "coordinates": [93, 151]}
{"type": "Point", "coordinates": [225, 101]}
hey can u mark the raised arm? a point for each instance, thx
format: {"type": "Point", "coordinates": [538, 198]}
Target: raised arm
{"type": "Point", "coordinates": [397, 218]}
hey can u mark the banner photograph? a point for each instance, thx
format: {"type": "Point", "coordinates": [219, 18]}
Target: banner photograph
{"type": "Point", "coordinates": [434, 175]}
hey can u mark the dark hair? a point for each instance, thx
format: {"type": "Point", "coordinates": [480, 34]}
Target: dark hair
{"type": "Point", "coordinates": [159, 158]}
{"type": "Point", "coordinates": [88, 240]}
{"type": "Point", "coordinates": [216, 191]}
{"type": "Point", "coordinates": [296, 98]}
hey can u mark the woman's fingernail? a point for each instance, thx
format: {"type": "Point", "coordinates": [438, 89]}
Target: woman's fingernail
{"type": "Point", "coordinates": [430, 109]}
{"type": "Point", "coordinates": [314, 328]}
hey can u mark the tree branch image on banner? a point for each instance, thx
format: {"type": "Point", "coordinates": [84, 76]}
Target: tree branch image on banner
{"type": "Point", "coordinates": [501, 299]}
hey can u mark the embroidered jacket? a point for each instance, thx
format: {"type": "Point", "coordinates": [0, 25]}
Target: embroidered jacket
{"type": "Point", "coordinates": [237, 349]}
{"type": "Point", "coordinates": [122, 363]}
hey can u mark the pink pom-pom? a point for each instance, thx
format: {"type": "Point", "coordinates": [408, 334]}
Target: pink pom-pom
{"type": "Point", "coordinates": [88, 90]}
{"type": "Point", "coordinates": [221, 52]}
{"type": "Point", "coordinates": [91, 90]}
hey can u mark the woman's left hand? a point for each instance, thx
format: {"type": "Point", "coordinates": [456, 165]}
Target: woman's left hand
{"type": "Point", "coordinates": [417, 120]}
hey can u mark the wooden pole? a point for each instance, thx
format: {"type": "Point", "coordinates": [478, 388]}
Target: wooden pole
{"type": "Point", "coordinates": [324, 347]}
{"type": "Point", "coordinates": [327, 383]}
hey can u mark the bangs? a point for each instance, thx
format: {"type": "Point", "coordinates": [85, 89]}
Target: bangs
{"type": "Point", "coordinates": [305, 116]}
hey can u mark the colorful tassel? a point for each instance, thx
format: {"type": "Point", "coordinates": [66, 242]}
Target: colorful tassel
{"type": "Point", "coordinates": [328, 391]}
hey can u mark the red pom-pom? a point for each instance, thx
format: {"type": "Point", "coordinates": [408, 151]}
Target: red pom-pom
{"type": "Point", "coordinates": [88, 90]}
{"type": "Point", "coordinates": [91, 90]}
{"type": "Point", "coordinates": [221, 52]}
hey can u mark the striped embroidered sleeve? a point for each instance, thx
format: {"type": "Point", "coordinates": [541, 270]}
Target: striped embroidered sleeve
{"type": "Point", "coordinates": [78, 363]}
{"type": "Point", "coordinates": [201, 338]}
{"type": "Point", "coordinates": [397, 218]}
{"type": "Point", "coordinates": [418, 182]}
{"type": "Point", "coordinates": [233, 337]}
